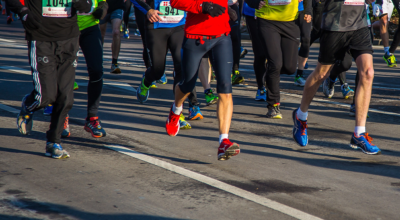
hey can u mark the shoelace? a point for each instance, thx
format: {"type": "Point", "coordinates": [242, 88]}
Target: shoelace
{"type": "Point", "coordinates": [66, 123]}
{"type": "Point", "coordinates": [94, 123]}
{"type": "Point", "coordinates": [369, 139]}
{"type": "Point", "coordinates": [303, 128]}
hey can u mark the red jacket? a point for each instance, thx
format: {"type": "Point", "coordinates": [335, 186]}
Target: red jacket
{"type": "Point", "coordinates": [198, 23]}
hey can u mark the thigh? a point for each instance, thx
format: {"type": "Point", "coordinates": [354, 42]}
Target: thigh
{"type": "Point", "coordinates": [222, 63]}
{"type": "Point", "coordinates": [271, 42]}
{"type": "Point", "coordinates": [289, 54]}
{"type": "Point", "coordinates": [67, 65]}
{"type": "Point", "coordinates": [90, 43]}
{"type": "Point", "coordinates": [175, 42]}
{"type": "Point", "coordinates": [105, 20]}
{"type": "Point", "coordinates": [157, 45]}
{"type": "Point", "coordinates": [116, 19]}
{"type": "Point", "coordinates": [360, 43]}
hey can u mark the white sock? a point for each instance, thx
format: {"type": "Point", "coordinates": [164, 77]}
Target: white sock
{"type": "Point", "coordinates": [359, 130]}
{"type": "Point", "coordinates": [386, 49]}
{"type": "Point", "coordinates": [177, 110]}
{"type": "Point", "coordinates": [222, 137]}
{"type": "Point", "coordinates": [302, 115]}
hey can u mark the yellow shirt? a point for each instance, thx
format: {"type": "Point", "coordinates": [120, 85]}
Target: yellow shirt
{"type": "Point", "coordinates": [274, 12]}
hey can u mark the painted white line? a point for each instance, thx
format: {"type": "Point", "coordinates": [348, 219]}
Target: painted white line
{"type": "Point", "coordinates": [5, 40]}
{"type": "Point", "coordinates": [16, 69]}
{"type": "Point", "coordinates": [9, 109]}
{"type": "Point", "coordinates": [215, 183]}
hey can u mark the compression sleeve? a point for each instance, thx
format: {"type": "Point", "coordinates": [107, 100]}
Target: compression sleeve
{"type": "Point", "coordinates": [307, 7]}
{"type": "Point", "coordinates": [253, 3]}
{"type": "Point", "coordinates": [193, 6]}
{"type": "Point", "coordinates": [139, 7]}
{"type": "Point", "coordinates": [143, 4]}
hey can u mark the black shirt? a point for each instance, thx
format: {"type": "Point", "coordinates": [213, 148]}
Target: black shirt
{"type": "Point", "coordinates": [344, 15]}
{"type": "Point", "coordinates": [115, 4]}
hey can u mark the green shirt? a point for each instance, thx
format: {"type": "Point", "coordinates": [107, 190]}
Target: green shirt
{"type": "Point", "coordinates": [279, 10]}
{"type": "Point", "coordinates": [86, 20]}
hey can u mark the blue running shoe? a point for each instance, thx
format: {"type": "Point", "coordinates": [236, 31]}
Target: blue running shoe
{"type": "Point", "coordinates": [299, 130]}
{"type": "Point", "coordinates": [126, 33]}
{"type": "Point", "coordinates": [55, 151]}
{"type": "Point", "coordinates": [346, 91]}
{"type": "Point", "coordinates": [243, 52]}
{"type": "Point", "coordinates": [306, 65]}
{"type": "Point", "coordinates": [183, 124]}
{"type": "Point", "coordinates": [261, 95]}
{"type": "Point", "coordinates": [142, 92]}
{"type": "Point", "coordinates": [163, 79]}
{"type": "Point", "coordinates": [195, 113]}
{"type": "Point", "coordinates": [48, 110]}
{"type": "Point", "coordinates": [364, 143]}
{"type": "Point", "coordinates": [24, 119]}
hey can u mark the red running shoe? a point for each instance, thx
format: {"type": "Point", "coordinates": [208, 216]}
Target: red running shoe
{"type": "Point", "coordinates": [227, 149]}
{"type": "Point", "coordinates": [172, 124]}
{"type": "Point", "coordinates": [92, 125]}
{"type": "Point", "coordinates": [66, 133]}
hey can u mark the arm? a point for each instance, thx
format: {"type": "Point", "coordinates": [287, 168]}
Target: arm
{"type": "Point", "coordinates": [139, 7]}
{"type": "Point", "coordinates": [82, 5]}
{"type": "Point", "coordinates": [253, 3]}
{"type": "Point", "coordinates": [193, 6]}
{"type": "Point", "coordinates": [307, 7]}
{"type": "Point", "coordinates": [143, 4]}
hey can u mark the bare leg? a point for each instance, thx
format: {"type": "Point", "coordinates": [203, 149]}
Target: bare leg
{"type": "Point", "coordinates": [103, 29]}
{"type": "Point", "coordinates": [205, 74]}
{"type": "Point", "coordinates": [383, 30]}
{"type": "Point", "coordinates": [313, 82]}
{"type": "Point", "coordinates": [364, 89]}
{"type": "Point", "coordinates": [301, 62]}
{"type": "Point", "coordinates": [180, 97]}
{"type": "Point", "coordinates": [116, 42]}
{"type": "Point", "coordinates": [224, 112]}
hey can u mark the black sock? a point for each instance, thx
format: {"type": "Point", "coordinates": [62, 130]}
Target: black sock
{"type": "Point", "coordinates": [299, 73]}
{"type": "Point", "coordinates": [114, 61]}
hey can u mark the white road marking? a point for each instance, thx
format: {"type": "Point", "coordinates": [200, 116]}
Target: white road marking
{"type": "Point", "coordinates": [17, 69]}
{"type": "Point", "coordinates": [9, 109]}
{"type": "Point", "coordinates": [5, 40]}
{"type": "Point", "coordinates": [215, 183]}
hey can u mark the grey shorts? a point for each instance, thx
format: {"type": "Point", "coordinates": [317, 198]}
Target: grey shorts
{"type": "Point", "coordinates": [119, 13]}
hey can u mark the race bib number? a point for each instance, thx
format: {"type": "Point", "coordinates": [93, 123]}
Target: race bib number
{"type": "Point", "coordinates": [56, 8]}
{"type": "Point", "coordinates": [170, 14]}
{"type": "Point", "coordinates": [279, 2]}
{"type": "Point", "coordinates": [354, 2]}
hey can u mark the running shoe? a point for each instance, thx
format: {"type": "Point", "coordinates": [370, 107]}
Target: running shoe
{"type": "Point", "coordinates": [227, 149]}
{"type": "Point", "coordinates": [24, 119]}
{"type": "Point", "coordinates": [237, 78]}
{"type": "Point", "coordinates": [126, 33]}
{"type": "Point", "coordinates": [66, 133]}
{"type": "Point", "coordinates": [261, 95]}
{"type": "Point", "coordinates": [390, 60]}
{"type": "Point", "coordinates": [172, 124]}
{"type": "Point", "coordinates": [346, 91]}
{"type": "Point", "coordinates": [364, 143]}
{"type": "Point", "coordinates": [163, 79]}
{"type": "Point", "coordinates": [76, 87]}
{"type": "Point", "coordinates": [9, 19]}
{"type": "Point", "coordinates": [211, 99]}
{"type": "Point", "coordinates": [299, 130]}
{"type": "Point", "coordinates": [93, 126]}
{"type": "Point", "coordinates": [195, 113]}
{"type": "Point", "coordinates": [48, 110]}
{"type": "Point", "coordinates": [115, 69]}
{"type": "Point", "coordinates": [137, 32]}
{"type": "Point", "coordinates": [243, 52]}
{"type": "Point", "coordinates": [306, 65]}
{"type": "Point", "coordinates": [328, 88]}
{"type": "Point", "coordinates": [183, 124]}
{"type": "Point", "coordinates": [299, 81]}
{"type": "Point", "coordinates": [153, 85]}
{"type": "Point", "coordinates": [352, 112]}
{"type": "Point", "coordinates": [55, 151]}
{"type": "Point", "coordinates": [274, 111]}
{"type": "Point", "coordinates": [142, 92]}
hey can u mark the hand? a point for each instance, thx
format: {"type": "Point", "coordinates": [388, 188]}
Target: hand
{"type": "Point", "coordinates": [29, 20]}
{"type": "Point", "coordinates": [152, 15]}
{"type": "Point", "coordinates": [101, 10]}
{"type": "Point", "coordinates": [214, 10]}
{"type": "Point", "coordinates": [262, 3]}
{"type": "Point", "coordinates": [83, 6]}
{"type": "Point", "coordinates": [307, 18]}
{"type": "Point", "coordinates": [232, 14]}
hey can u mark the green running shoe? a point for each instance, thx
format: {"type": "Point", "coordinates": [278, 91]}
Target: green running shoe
{"type": "Point", "coordinates": [237, 78]}
{"type": "Point", "coordinates": [390, 60]}
{"type": "Point", "coordinates": [76, 87]}
{"type": "Point", "coordinates": [142, 92]}
{"type": "Point", "coordinates": [183, 124]}
{"type": "Point", "coordinates": [210, 97]}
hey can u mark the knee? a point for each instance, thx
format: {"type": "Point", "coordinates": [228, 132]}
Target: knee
{"type": "Point", "coordinates": [289, 68]}
{"type": "Point", "coordinates": [274, 66]}
{"type": "Point", "coordinates": [367, 76]}
{"type": "Point", "coordinates": [116, 33]}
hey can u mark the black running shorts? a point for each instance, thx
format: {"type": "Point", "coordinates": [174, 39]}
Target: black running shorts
{"type": "Point", "coordinates": [334, 44]}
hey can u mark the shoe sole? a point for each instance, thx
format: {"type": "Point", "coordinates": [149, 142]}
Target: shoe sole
{"type": "Point", "coordinates": [212, 102]}
{"type": "Point", "coordinates": [238, 81]}
{"type": "Point", "coordinates": [186, 127]}
{"type": "Point", "coordinates": [138, 96]}
{"type": "Point", "coordinates": [63, 156]}
{"type": "Point", "coordinates": [116, 71]}
{"type": "Point", "coordinates": [230, 152]}
{"type": "Point", "coordinates": [261, 100]}
{"type": "Point", "coordinates": [93, 135]}
{"type": "Point", "coordinates": [172, 135]}
{"type": "Point", "coordinates": [275, 117]}
{"type": "Point", "coordinates": [197, 117]}
{"type": "Point", "coordinates": [365, 152]}
{"type": "Point", "coordinates": [348, 95]}
{"type": "Point", "coordinates": [297, 84]}
{"type": "Point", "coordinates": [66, 136]}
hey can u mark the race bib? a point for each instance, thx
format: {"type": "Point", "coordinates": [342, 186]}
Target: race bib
{"type": "Point", "coordinates": [56, 8]}
{"type": "Point", "coordinates": [354, 2]}
{"type": "Point", "coordinates": [170, 14]}
{"type": "Point", "coordinates": [279, 2]}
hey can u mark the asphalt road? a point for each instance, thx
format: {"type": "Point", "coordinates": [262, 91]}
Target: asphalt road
{"type": "Point", "coordinates": [138, 172]}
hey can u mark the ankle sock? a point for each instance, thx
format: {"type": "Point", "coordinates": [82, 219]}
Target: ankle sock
{"type": "Point", "coordinates": [302, 115]}
{"type": "Point", "coordinates": [386, 49]}
{"type": "Point", "coordinates": [358, 130]}
{"type": "Point", "coordinates": [299, 73]}
{"type": "Point", "coordinates": [177, 110]}
{"type": "Point", "coordinates": [222, 137]}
